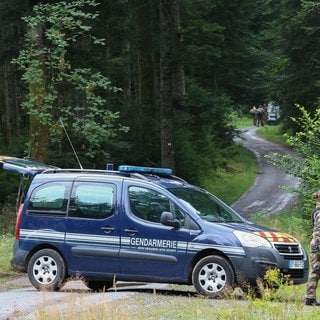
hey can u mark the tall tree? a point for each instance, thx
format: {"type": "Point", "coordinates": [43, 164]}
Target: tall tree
{"type": "Point", "coordinates": [11, 33]}
{"type": "Point", "coordinates": [47, 70]}
{"type": "Point", "coordinates": [183, 66]}
{"type": "Point", "coordinates": [295, 69]}
{"type": "Point", "coordinates": [143, 17]}
{"type": "Point", "coordinates": [171, 76]}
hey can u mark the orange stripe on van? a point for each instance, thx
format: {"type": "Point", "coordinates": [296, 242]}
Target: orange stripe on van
{"type": "Point", "coordinates": [276, 236]}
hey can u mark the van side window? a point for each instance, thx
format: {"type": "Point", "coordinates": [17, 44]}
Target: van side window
{"type": "Point", "coordinates": [49, 197]}
{"type": "Point", "coordinates": [148, 205]}
{"type": "Point", "coordinates": [92, 200]}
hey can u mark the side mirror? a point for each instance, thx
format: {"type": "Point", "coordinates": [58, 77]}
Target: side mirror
{"type": "Point", "coordinates": [167, 220]}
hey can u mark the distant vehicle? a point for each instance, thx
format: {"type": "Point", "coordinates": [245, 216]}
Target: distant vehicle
{"type": "Point", "coordinates": [274, 113]}
{"type": "Point", "coordinates": [140, 224]}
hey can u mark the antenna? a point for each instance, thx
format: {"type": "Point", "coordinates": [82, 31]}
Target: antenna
{"type": "Point", "coordinates": [74, 151]}
{"type": "Point", "coordinates": [153, 163]}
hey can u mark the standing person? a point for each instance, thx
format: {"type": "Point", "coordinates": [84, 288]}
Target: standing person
{"type": "Point", "coordinates": [265, 114]}
{"type": "Point", "coordinates": [260, 115]}
{"type": "Point", "coordinates": [253, 112]}
{"type": "Point", "coordinates": [314, 276]}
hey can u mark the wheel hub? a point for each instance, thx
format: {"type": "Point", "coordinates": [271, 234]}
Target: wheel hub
{"type": "Point", "coordinates": [45, 269]}
{"type": "Point", "coordinates": [212, 277]}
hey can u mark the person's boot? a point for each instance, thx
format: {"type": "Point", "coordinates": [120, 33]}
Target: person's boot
{"type": "Point", "coordinates": [311, 302]}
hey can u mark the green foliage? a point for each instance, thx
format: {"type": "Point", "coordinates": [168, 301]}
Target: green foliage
{"type": "Point", "coordinates": [203, 132]}
{"type": "Point", "coordinates": [272, 283]}
{"type": "Point", "coordinates": [209, 132]}
{"type": "Point", "coordinates": [8, 211]}
{"type": "Point", "coordinates": [9, 181]}
{"type": "Point", "coordinates": [275, 279]}
{"type": "Point", "coordinates": [239, 169]}
{"type": "Point", "coordinates": [272, 133]}
{"type": "Point", "coordinates": [306, 143]}
{"type": "Point", "coordinates": [221, 57]}
{"type": "Point", "coordinates": [244, 51]}
{"type": "Point", "coordinates": [293, 69]}
{"type": "Point", "coordinates": [6, 245]}
{"type": "Point", "coordinates": [53, 31]}
{"type": "Point", "coordinates": [239, 120]}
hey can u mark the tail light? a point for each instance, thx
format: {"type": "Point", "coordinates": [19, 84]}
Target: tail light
{"type": "Point", "coordinates": [18, 221]}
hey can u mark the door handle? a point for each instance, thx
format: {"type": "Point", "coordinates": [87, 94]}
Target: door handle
{"type": "Point", "coordinates": [131, 231]}
{"type": "Point", "coordinates": [107, 229]}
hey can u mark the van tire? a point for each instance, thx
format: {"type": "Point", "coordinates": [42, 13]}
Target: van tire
{"type": "Point", "coordinates": [47, 270]}
{"type": "Point", "coordinates": [213, 276]}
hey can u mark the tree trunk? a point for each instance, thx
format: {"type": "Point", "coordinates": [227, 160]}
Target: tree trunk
{"type": "Point", "coordinates": [171, 76]}
{"type": "Point", "coordinates": [178, 82]}
{"type": "Point", "coordinates": [39, 132]}
{"type": "Point", "coordinates": [4, 105]}
{"type": "Point", "coordinates": [144, 51]}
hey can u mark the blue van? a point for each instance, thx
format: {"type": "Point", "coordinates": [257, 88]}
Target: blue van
{"type": "Point", "coordinates": [141, 224]}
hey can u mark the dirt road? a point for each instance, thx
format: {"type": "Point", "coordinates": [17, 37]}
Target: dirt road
{"type": "Point", "coordinates": [266, 195]}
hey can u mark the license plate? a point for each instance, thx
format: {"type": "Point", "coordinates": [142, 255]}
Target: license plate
{"type": "Point", "coordinates": [295, 264]}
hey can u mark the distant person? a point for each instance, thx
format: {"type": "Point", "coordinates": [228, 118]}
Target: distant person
{"type": "Point", "coordinates": [253, 112]}
{"type": "Point", "coordinates": [314, 276]}
{"type": "Point", "coordinates": [260, 116]}
{"type": "Point", "coordinates": [265, 114]}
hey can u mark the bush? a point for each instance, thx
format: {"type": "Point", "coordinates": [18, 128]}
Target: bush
{"type": "Point", "coordinates": [306, 165]}
{"type": "Point", "coordinates": [8, 216]}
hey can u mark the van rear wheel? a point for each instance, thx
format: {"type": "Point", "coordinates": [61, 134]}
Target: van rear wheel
{"type": "Point", "coordinates": [213, 276]}
{"type": "Point", "coordinates": [47, 270]}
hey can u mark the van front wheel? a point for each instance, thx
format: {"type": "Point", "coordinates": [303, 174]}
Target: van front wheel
{"type": "Point", "coordinates": [47, 270]}
{"type": "Point", "coordinates": [213, 276]}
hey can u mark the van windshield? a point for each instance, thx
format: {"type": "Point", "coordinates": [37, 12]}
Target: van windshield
{"type": "Point", "coordinates": [207, 206]}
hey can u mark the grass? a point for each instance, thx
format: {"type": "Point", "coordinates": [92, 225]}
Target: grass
{"type": "Point", "coordinates": [7, 224]}
{"type": "Point", "coordinates": [273, 133]}
{"type": "Point", "coordinates": [200, 308]}
{"type": "Point", "coordinates": [6, 243]}
{"type": "Point", "coordinates": [284, 304]}
{"type": "Point", "coordinates": [270, 132]}
{"type": "Point", "coordinates": [239, 121]}
{"type": "Point", "coordinates": [85, 310]}
{"type": "Point", "coordinates": [239, 171]}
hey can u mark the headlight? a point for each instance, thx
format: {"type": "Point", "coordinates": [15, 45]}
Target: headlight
{"type": "Point", "coordinates": [248, 239]}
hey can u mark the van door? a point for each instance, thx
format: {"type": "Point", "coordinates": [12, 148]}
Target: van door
{"type": "Point", "coordinates": [150, 250]}
{"type": "Point", "coordinates": [44, 222]}
{"type": "Point", "coordinates": [92, 233]}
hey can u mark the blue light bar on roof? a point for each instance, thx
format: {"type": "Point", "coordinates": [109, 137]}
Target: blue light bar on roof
{"type": "Point", "coordinates": [138, 169]}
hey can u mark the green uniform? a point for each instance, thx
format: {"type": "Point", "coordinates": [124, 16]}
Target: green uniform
{"type": "Point", "coordinates": [314, 275]}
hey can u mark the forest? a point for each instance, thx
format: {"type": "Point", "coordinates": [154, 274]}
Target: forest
{"type": "Point", "coordinates": [149, 82]}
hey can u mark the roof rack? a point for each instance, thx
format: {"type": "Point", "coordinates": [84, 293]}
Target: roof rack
{"type": "Point", "coordinates": [58, 170]}
{"type": "Point", "coordinates": [143, 173]}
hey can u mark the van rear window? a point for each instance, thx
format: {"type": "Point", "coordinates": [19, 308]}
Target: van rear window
{"type": "Point", "coordinates": [49, 197]}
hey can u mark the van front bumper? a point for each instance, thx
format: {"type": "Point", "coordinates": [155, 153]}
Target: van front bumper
{"type": "Point", "coordinates": [259, 260]}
